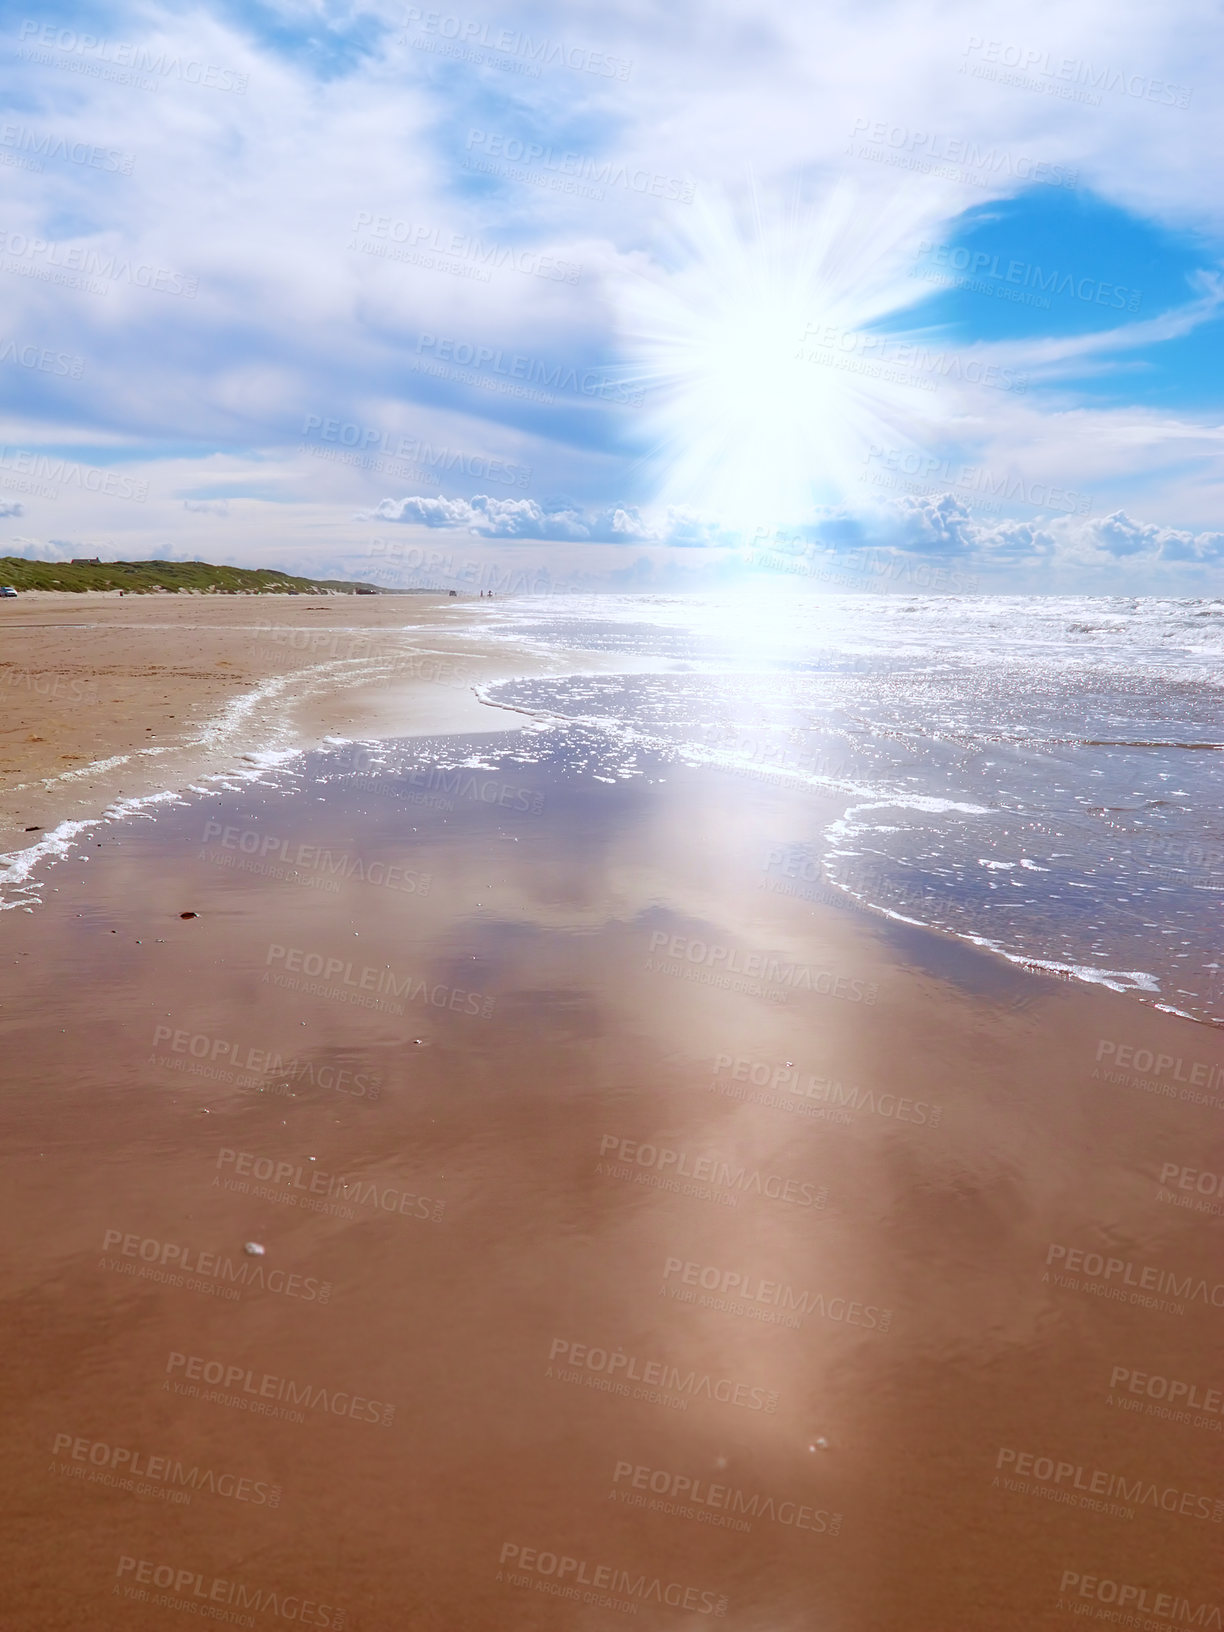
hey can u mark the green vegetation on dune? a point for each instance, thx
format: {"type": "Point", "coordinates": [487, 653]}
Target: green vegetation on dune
{"type": "Point", "coordinates": [146, 577]}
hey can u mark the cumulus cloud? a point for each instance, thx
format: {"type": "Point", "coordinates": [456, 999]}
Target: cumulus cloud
{"type": "Point", "coordinates": [11, 509]}
{"type": "Point", "coordinates": [46, 549]}
{"type": "Point", "coordinates": [938, 527]}
{"type": "Point", "coordinates": [943, 526]}
{"type": "Point", "coordinates": [1014, 543]}
{"type": "Point", "coordinates": [487, 517]}
{"type": "Point", "coordinates": [525, 518]}
{"type": "Point", "coordinates": [207, 507]}
{"type": "Point", "coordinates": [1119, 536]}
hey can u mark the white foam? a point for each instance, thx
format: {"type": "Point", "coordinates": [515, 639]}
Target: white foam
{"type": "Point", "coordinates": [19, 885]}
{"type": "Point", "coordinates": [18, 867]}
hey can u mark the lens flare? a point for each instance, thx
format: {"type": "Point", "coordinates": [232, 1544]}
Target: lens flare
{"type": "Point", "coordinates": [763, 347]}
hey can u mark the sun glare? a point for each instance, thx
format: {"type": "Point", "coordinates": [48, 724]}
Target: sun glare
{"type": "Point", "coordinates": [760, 349]}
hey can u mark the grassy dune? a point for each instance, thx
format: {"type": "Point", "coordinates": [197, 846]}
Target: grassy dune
{"type": "Point", "coordinates": [147, 577]}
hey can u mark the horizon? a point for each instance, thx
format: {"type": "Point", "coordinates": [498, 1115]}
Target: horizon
{"type": "Point", "coordinates": [510, 581]}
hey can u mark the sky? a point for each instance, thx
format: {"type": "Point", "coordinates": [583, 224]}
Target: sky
{"type": "Point", "coordinates": [862, 296]}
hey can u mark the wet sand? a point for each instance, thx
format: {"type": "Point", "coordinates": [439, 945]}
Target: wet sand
{"type": "Point", "coordinates": [108, 697]}
{"type": "Point", "coordinates": [587, 1161]}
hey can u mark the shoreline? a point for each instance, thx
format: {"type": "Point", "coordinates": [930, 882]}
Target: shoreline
{"type": "Point", "coordinates": [380, 680]}
{"type": "Point", "coordinates": [178, 690]}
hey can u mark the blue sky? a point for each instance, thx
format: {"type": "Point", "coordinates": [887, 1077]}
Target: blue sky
{"type": "Point", "coordinates": [600, 291]}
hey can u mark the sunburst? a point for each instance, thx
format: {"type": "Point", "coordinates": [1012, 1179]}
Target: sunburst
{"type": "Point", "coordinates": [759, 345]}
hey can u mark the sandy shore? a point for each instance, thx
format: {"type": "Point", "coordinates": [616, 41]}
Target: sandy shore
{"type": "Point", "coordinates": [643, 1235]}
{"type": "Point", "coordinates": [106, 696]}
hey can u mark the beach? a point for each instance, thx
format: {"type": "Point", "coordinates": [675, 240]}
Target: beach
{"type": "Point", "coordinates": [489, 1171]}
{"type": "Point", "coordinates": [108, 696]}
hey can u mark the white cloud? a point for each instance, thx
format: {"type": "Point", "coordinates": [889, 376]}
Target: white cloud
{"type": "Point", "coordinates": [43, 549]}
{"type": "Point", "coordinates": [524, 518]}
{"type": "Point", "coordinates": [936, 527]}
{"type": "Point", "coordinates": [489, 517]}
{"type": "Point", "coordinates": [943, 527]}
{"type": "Point", "coordinates": [1120, 537]}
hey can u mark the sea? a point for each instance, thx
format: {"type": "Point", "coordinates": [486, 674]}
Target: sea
{"type": "Point", "coordinates": [1039, 775]}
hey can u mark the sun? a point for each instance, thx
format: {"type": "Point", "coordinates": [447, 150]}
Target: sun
{"type": "Point", "coordinates": [760, 346]}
